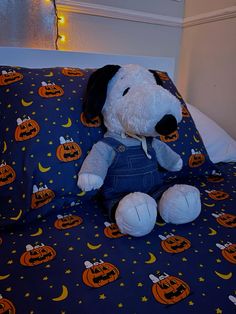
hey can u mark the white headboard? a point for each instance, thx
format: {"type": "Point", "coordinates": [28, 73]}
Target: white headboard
{"type": "Point", "coordinates": [35, 58]}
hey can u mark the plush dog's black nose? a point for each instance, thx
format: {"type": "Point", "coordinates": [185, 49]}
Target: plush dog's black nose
{"type": "Point", "coordinates": [166, 125]}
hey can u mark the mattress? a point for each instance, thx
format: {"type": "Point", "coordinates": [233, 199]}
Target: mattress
{"type": "Point", "coordinates": [76, 262]}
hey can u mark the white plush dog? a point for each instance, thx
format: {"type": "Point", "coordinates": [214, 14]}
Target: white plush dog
{"type": "Point", "coordinates": [124, 165]}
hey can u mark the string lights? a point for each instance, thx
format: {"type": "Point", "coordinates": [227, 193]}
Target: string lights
{"type": "Point", "coordinates": [59, 20]}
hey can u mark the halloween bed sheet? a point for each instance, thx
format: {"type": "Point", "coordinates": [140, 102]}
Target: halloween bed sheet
{"type": "Point", "coordinates": [77, 262]}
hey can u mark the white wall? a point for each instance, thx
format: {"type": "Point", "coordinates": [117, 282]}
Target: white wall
{"type": "Point", "coordinates": [97, 28]}
{"type": "Point", "coordinates": [164, 7]}
{"type": "Point", "coordinates": [135, 27]}
{"type": "Point", "coordinates": [207, 69]}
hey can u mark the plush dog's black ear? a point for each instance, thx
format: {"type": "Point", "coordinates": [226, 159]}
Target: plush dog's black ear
{"type": "Point", "coordinates": [96, 91]}
{"type": "Point", "coordinates": [157, 77]}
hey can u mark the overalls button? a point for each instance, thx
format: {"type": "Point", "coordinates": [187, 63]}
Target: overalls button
{"type": "Point", "coordinates": [121, 148]}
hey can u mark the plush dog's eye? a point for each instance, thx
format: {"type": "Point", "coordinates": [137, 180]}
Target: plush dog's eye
{"type": "Point", "coordinates": [126, 91]}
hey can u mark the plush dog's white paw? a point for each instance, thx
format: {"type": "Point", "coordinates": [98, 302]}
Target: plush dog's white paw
{"type": "Point", "coordinates": [178, 166]}
{"type": "Point", "coordinates": [88, 182]}
{"type": "Point", "coordinates": [180, 204]}
{"type": "Point", "coordinates": [136, 214]}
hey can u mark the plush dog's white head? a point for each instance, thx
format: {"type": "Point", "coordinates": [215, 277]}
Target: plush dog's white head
{"type": "Point", "coordinates": [132, 100]}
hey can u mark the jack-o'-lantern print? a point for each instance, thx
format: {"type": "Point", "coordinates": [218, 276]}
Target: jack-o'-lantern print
{"type": "Point", "coordinates": [225, 220]}
{"type": "Point", "coordinates": [112, 231]}
{"type": "Point", "coordinates": [38, 254]}
{"type": "Point", "coordinates": [228, 251]}
{"type": "Point", "coordinates": [6, 306]}
{"type": "Point", "coordinates": [72, 72]}
{"type": "Point", "coordinates": [174, 243]}
{"type": "Point", "coordinates": [172, 137]}
{"type": "Point", "coordinates": [10, 77]}
{"type": "Point", "coordinates": [217, 195]}
{"type": "Point", "coordinates": [67, 221]}
{"type": "Point", "coordinates": [7, 174]}
{"type": "Point", "coordinates": [99, 274]}
{"type": "Point", "coordinates": [169, 289]}
{"type": "Point", "coordinates": [196, 159]}
{"type": "Point", "coordinates": [215, 177]}
{"type": "Point", "coordinates": [68, 150]}
{"type": "Point", "coordinates": [41, 196]}
{"type": "Point", "coordinates": [49, 90]}
{"type": "Point", "coordinates": [163, 76]}
{"type": "Point", "coordinates": [26, 129]}
{"type": "Point", "coordinates": [91, 123]}
{"type": "Point", "coordinates": [185, 112]}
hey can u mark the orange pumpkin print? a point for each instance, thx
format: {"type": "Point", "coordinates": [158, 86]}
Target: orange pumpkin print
{"type": "Point", "coordinates": [68, 150]}
{"type": "Point", "coordinates": [36, 255]}
{"type": "Point", "coordinates": [7, 174]}
{"type": "Point", "coordinates": [185, 112]}
{"type": "Point", "coordinates": [228, 251]}
{"type": "Point", "coordinates": [215, 177]}
{"type": "Point", "coordinates": [49, 90]}
{"type": "Point", "coordinates": [218, 195]}
{"type": "Point", "coordinates": [169, 289]}
{"type": "Point", "coordinates": [67, 221]}
{"type": "Point", "coordinates": [10, 77]}
{"type": "Point", "coordinates": [226, 220]}
{"type": "Point", "coordinates": [26, 129]}
{"type": "Point", "coordinates": [99, 274]}
{"type": "Point", "coordinates": [196, 159]}
{"type": "Point", "coordinates": [174, 243]}
{"type": "Point", "coordinates": [6, 306]}
{"type": "Point", "coordinates": [172, 137]}
{"type": "Point", "coordinates": [41, 196]}
{"type": "Point", "coordinates": [72, 72]}
{"type": "Point", "coordinates": [163, 76]}
{"type": "Point", "coordinates": [91, 123]}
{"type": "Point", "coordinates": [112, 231]}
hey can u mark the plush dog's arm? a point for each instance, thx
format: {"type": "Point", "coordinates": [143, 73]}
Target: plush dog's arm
{"type": "Point", "coordinates": [166, 157]}
{"type": "Point", "coordinates": [95, 166]}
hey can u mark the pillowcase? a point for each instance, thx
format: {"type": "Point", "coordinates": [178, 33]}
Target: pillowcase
{"type": "Point", "coordinates": [186, 141]}
{"type": "Point", "coordinates": [43, 140]}
{"type": "Point", "coordinates": [220, 146]}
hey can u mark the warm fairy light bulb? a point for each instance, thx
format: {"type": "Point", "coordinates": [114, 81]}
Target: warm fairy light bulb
{"type": "Point", "coordinates": [62, 38]}
{"type": "Point", "coordinates": [61, 19]}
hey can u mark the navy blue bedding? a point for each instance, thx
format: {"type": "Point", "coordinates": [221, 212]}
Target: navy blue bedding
{"type": "Point", "coordinates": [79, 264]}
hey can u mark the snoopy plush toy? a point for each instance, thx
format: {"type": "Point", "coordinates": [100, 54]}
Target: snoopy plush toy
{"type": "Point", "coordinates": [125, 163]}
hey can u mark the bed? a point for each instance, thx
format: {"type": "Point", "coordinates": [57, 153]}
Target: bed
{"type": "Point", "coordinates": [58, 251]}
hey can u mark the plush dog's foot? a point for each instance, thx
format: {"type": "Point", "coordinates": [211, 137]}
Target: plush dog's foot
{"type": "Point", "coordinates": [136, 214]}
{"type": "Point", "coordinates": [180, 204]}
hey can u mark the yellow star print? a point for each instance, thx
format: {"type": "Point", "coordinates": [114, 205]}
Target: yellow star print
{"type": "Point", "coordinates": [102, 296]}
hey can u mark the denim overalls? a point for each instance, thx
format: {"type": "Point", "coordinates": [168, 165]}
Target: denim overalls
{"type": "Point", "coordinates": [131, 171]}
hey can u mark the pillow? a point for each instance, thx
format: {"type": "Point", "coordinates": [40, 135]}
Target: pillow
{"type": "Point", "coordinates": [220, 146]}
{"type": "Point", "coordinates": [43, 140]}
{"type": "Point", "coordinates": [186, 141]}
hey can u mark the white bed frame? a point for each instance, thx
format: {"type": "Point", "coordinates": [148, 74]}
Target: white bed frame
{"type": "Point", "coordinates": [36, 58]}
